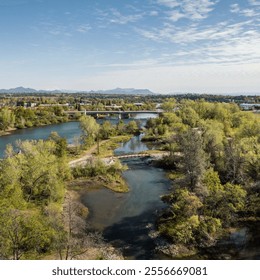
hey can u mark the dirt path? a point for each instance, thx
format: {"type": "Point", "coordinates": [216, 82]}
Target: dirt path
{"type": "Point", "coordinates": [87, 155]}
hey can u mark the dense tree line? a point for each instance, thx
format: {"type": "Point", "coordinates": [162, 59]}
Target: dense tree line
{"type": "Point", "coordinates": [31, 183]}
{"type": "Point", "coordinates": [25, 117]}
{"type": "Point", "coordinates": [76, 97]}
{"type": "Point", "coordinates": [215, 163]}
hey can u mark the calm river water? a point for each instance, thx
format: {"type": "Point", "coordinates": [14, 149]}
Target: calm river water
{"type": "Point", "coordinates": [126, 219]}
{"type": "Point", "coordinates": [69, 130]}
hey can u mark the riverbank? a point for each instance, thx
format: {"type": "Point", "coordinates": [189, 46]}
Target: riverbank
{"type": "Point", "coordinates": [106, 148]}
{"type": "Point", "coordinates": [117, 184]}
{"type": "Point", "coordinates": [93, 247]}
{"type": "Point", "coordinates": [7, 132]}
{"type": "Point", "coordinates": [112, 179]}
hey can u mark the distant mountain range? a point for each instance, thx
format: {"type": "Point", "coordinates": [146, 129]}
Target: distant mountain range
{"type": "Point", "coordinates": [111, 91]}
{"type": "Point", "coordinates": [18, 90]}
{"type": "Point", "coordinates": [125, 91]}
{"type": "Point", "coordinates": [27, 90]}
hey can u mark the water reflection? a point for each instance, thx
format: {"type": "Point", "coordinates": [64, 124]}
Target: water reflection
{"type": "Point", "coordinates": [134, 145]}
{"type": "Point", "coordinates": [125, 218]}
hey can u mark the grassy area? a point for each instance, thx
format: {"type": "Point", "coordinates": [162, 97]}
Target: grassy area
{"type": "Point", "coordinates": [117, 184]}
{"type": "Point", "coordinates": [114, 183]}
{"type": "Point", "coordinates": [107, 147]}
{"type": "Point", "coordinates": [175, 175]}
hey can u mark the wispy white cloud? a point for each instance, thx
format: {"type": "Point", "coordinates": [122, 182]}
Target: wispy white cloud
{"type": "Point", "coordinates": [169, 3]}
{"type": "Point", "coordinates": [251, 11]}
{"type": "Point", "coordinates": [153, 13]}
{"type": "Point", "coordinates": [119, 18]}
{"type": "Point", "coordinates": [176, 15]}
{"type": "Point", "coordinates": [254, 2]}
{"type": "Point", "coordinates": [84, 28]}
{"type": "Point", "coordinates": [53, 28]}
{"type": "Point", "coordinates": [193, 34]}
{"type": "Point", "coordinates": [114, 16]}
{"type": "Point", "coordinates": [223, 43]}
{"type": "Point", "coordinates": [194, 10]}
{"type": "Point", "coordinates": [234, 8]}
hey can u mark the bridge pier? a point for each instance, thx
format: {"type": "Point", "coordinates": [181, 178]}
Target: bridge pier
{"type": "Point", "coordinates": [125, 115]}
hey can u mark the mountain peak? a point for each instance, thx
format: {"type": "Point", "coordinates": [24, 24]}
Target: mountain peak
{"type": "Point", "coordinates": [18, 90]}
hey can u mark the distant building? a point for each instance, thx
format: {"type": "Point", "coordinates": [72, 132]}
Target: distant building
{"type": "Point", "coordinates": [113, 106]}
{"type": "Point", "coordinates": [21, 104]}
{"type": "Point", "coordinates": [26, 104]}
{"type": "Point", "coordinates": [54, 105]}
{"type": "Point", "coordinates": [31, 104]}
{"type": "Point", "coordinates": [250, 106]}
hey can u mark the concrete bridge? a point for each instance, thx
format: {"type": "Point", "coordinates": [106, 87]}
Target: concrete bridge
{"type": "Point", "coordinates": [121, 114]}
{"type": "Point", "coordinates": [131, 156]}
{"type": "Point", "coordinates": [156, 156]}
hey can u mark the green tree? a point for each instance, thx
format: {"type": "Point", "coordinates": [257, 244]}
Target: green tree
{"type": "Point", "coordinates": [120, 128]}
{"type": "Point", "coordinates": [189, 116]}
{"type": "Point", "coordinates": [250, 147]}
{"type": "Point", "coordinates": [60, 143]}
{"type": "Point", "coordinates": [234, 162]}
{"type": "Point", "coordinates": [22, 234]}
{"type": "Point", "coordinates": [194, 160]}
{"type": "Point", "coordinates": [106, 130]}
{"type": "Point", "coordinates": [181, 219]}
{"type": "Point", "coordinates": [169, 105]}
{"type": "Point", "coordinates": [132, 127]}
{"type": "Point", "coordinates": [183, 204]}
{"type": "Point", "coordinates": [90, 129]}
{"type": "Point", "coordinates": [36, 171]}
{"type": "Point", "coordinates": [7, 119]}
{"type": "Point", "coordinates": [213, 138]}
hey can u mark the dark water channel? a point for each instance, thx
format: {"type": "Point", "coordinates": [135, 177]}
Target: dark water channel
{"type": "Point", "coordinates": [126, 219]}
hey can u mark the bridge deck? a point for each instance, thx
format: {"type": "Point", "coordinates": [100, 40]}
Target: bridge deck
{"type": "Point", "coordinates": [131, 156]}
{"type": "Point", "coordinates": [116, 112]}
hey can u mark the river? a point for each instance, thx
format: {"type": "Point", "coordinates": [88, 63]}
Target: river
{"type": "Point", "coordinates": [126, 219]}
{"type": "Point", "coordinates": [69, 130]}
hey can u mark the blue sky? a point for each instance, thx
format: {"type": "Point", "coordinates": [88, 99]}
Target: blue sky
{"type": "Point", "coordinates": [167, 46]}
